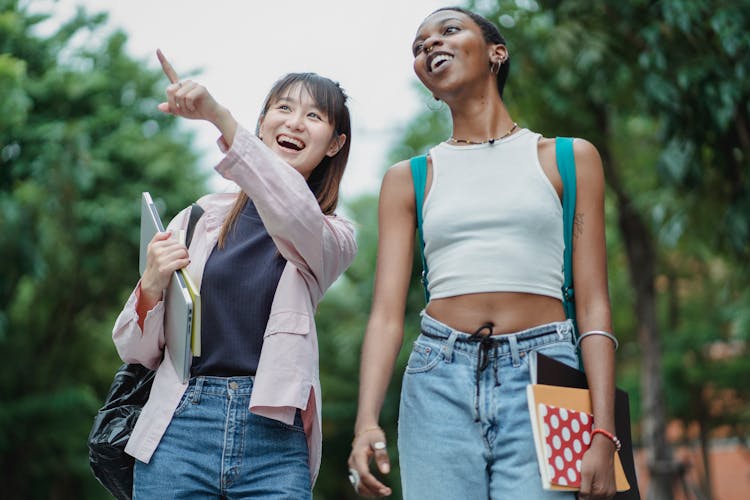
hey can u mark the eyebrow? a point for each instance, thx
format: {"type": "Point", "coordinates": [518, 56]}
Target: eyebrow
{"type": "Point", "coordinates": [315, 107]}
{"type": "Point", "coordinates": [441, 24]}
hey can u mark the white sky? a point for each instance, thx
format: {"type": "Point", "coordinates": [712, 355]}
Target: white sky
{"type": "Point", "coordinates": [243, 46]}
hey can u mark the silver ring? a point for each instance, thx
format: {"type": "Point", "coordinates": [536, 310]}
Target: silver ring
{"type": "Point", "coordinates": [378, 445]}
{"type": "Point", "coordinates": [354, 478]}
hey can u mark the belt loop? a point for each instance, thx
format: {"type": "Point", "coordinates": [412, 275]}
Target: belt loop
{"type": "Point", "coordinates": [562, 329]}
{"type": "Point", "coordinates": [198, 389]}
{"type": "Point", "coordinates": [513, 342]}
{"type": "Point", "coordinates": [448, 346]}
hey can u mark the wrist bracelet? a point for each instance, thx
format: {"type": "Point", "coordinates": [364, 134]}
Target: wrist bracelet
{"type": "Point", "coordinates": [608, 435]}
{"type": "Point", "coordinates": [598, 332]}
{"type": "Point", "coordinates": [374, 428]}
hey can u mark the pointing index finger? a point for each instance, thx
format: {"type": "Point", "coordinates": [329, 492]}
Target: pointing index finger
{"type": "Point", "coordinates": [166, 67]}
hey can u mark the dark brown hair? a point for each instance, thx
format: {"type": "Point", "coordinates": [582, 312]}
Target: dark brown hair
{"type": "Point", "coordinates": [325, 180]}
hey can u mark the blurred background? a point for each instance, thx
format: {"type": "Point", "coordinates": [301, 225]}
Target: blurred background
{"type": "Point", "coordinates": [662, 88]}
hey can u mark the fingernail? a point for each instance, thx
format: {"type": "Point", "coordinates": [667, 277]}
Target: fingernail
{"type": "Point", "coordinates": [386, 468]}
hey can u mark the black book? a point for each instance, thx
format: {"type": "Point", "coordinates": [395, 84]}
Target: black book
{"type": "Point", "coordinates": [545, 370]}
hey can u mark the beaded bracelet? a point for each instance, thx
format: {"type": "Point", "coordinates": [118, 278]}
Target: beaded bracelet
{"type": "Point", "coordinates": [598, 332]}
{"type": "Point", "coordinates": [366, 430]}
{"type": "Point", "coordinates": [608, 435]}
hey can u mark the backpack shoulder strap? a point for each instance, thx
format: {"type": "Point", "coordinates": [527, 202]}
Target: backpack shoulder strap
{"type": "Point", "coordinates": [419, 177]}
{"type": "Point", "coordinates": [567, 166]}
{"type": "Point", "coordinates": [195, 213]}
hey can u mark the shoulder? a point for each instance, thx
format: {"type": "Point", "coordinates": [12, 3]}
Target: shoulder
{"type": "Point", "coordinates": [217, 201]}
{"type": "Point", "coordinates": [589, 170]}
{"type": "Point", "coordinates": [585, 151]}
{"type": "Point", "coordinates": [398, 180]}
{"type": "Point", "coordinates": [587, 159]}
{"type": "Point", "coordinates": [399, 172]}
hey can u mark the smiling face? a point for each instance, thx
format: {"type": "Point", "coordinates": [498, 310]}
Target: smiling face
{"type": "Point", "coordinates": [296, 128]}
{"type": "Point", "coordinates": [450, 51]}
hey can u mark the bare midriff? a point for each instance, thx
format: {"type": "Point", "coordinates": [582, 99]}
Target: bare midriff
{"type": "Point", "coordinates": [508, 312]}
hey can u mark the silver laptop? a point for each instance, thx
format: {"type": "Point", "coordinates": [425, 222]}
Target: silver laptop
{"type": "Point", "coordinates": [178, 306]}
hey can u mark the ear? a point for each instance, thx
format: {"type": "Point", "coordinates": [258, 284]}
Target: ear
{"type": "Point", "coordinates": [498, 53]}
{"type": "Point", "coordinates": [336, 144]}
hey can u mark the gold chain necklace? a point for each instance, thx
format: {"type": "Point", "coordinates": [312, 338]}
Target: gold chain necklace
{"type": "Point", "coordinates": [488, 141]}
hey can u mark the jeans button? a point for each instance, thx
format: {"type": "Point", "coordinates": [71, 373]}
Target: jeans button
{"type": "Point", "coordinates": [233, 385]}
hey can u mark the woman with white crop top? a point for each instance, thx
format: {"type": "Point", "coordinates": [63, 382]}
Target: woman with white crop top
{"type": "Point", "coordinates": [494, 248]}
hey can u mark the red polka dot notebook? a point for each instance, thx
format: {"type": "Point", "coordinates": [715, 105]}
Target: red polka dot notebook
{"type": "Point", "coordinates": [561, 420]}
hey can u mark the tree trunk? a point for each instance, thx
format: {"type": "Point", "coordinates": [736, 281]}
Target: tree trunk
{"type": "Point", "coordinates": [705, 456]}
{"type": "Point", "coordinates": [641, 255]}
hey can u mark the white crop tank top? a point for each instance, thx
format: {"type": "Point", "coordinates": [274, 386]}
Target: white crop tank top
{"type": "Point", "coordinates": [492, 220]}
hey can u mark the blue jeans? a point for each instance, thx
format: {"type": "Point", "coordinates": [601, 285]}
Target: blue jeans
{"type": "Point", "coordinates": [464, 431]}
{"type": "Point", "coordinates": [215, 448]}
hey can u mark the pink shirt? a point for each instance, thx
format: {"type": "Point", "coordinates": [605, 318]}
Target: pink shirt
{"type": "Point", "coordinates": [318, 249]}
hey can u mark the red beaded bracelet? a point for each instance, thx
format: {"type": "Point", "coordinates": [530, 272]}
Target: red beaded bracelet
{"type": "Point", "coordinates": [609, 436]}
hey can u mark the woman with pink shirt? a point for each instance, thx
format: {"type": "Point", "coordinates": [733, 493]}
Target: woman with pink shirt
{"type": "Point", "coordinates": [247, 423]}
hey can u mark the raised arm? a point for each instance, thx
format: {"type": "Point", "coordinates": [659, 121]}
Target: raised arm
{"type": "Point", "coordinates": [320, 246]}
{"type": "Point", "coordinates": [593, 313]}
{"type": "Point", "coordinates": [385, 329]}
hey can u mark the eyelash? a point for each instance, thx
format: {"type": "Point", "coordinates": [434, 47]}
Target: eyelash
{"type": "Point", "coordinates": [448, 30]}
{"type": "Point", "coordinates": [285, 107]}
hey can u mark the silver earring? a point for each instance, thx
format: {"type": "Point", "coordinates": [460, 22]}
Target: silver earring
{"type": "Point", "coordinates": [495, 67]}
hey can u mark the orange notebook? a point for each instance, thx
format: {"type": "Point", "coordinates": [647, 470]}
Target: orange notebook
{"type": "Point", "coordinates": [561, 421]}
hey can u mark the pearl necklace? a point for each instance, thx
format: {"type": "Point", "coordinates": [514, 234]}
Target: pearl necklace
{"type": "Point", "coordinates": [488, 141]}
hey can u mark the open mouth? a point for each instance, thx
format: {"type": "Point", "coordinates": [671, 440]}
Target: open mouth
{"type": "Point", "coordinates": [288, 142]}
{"type": "Point", "coordinates": [437, 60]}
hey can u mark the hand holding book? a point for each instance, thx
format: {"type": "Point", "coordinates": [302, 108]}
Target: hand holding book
{"type": "Point", "coordinates": [555, 384]}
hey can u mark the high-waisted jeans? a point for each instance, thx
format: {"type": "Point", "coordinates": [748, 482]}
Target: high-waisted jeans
{"type": "Point", "coordinates": [464, 431]}
{"type": "Point", "coordinates": [215, 448]}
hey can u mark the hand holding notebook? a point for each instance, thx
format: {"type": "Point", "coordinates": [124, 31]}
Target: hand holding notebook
{"type": "Point", "coordinates": [179, 303]}
{"type": "Point", "coordinates": [558, 385]}
{"type": "Point", "coordinates": [562, 423]}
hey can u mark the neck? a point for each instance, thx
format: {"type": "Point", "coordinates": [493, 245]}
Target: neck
{"type": "Point", "coordinates": [480, 117]}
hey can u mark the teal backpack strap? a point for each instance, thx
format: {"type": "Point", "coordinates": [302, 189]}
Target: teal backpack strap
{"type": "Point", "coordinates": [566, 164]}
{"type": "Point", "coordinates": [419, 176]}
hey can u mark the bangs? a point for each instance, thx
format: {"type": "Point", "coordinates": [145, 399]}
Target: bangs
{"type": "Point", "coordinates": [326, 94]}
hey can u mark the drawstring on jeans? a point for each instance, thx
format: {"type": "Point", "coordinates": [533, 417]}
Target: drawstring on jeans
{"type": "Point", "coordinates": [486, 342]}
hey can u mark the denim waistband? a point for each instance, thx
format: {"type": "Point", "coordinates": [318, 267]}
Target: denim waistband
{"type": "Point", "coordinates": [236, 386]}
{"type": "Point", "coordinates": [431, 327]}
{"type": "Point", "coordinates": [486, 346]}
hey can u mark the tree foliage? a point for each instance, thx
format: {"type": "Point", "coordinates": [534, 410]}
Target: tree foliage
{"type": "Point", "coordinates": [80, 138]}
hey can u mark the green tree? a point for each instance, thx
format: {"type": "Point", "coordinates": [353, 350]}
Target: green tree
{"type": "Point", "coordinates": [80, 138]}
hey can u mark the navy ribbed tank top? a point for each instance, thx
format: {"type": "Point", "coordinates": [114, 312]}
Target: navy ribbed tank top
{"type": "Point", "coordinates": [237, 289]}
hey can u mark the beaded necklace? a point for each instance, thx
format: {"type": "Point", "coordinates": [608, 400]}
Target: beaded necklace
{"type": "Point", "coordinates": [488, 141]}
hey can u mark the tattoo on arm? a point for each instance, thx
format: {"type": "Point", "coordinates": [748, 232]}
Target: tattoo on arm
{"type": "Point", "coordinates": [577, 225]}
